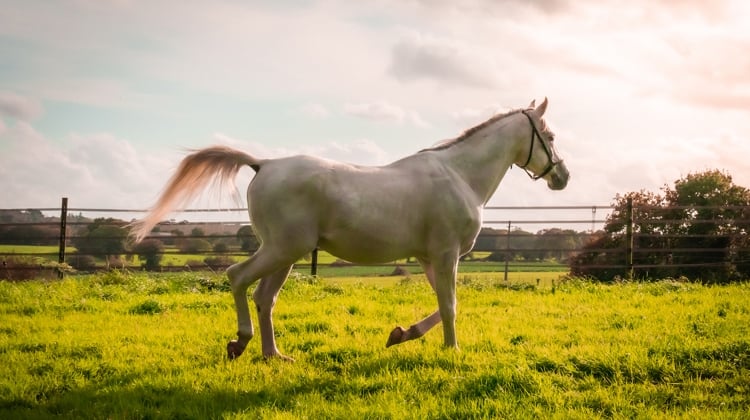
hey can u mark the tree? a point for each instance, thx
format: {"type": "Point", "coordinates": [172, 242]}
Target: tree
{"type": "Point", "coordinates": [151, 252]}
{"type": "Point", "coordinates": [512, 245]}
{"type": "Point", "coordinates": [709, 203]}
{"type": "Point", "coordinates": [556, 244]}
{"type": "Point", "coordinates": [171, 237]}
{"type": "Point", "coordinates": [104, 237]}
{"type": "Point", "coordinates": [698, 230]}
{"type": "Point", "coordinates": [36, 215]}
{"type": "Point", "coordinates": [194, 246]}
{"type": "Point", "coordinates": [246, 236]}
{"type": "Point", "coordinates": [221, 247]}
{"type": "Point", "coordinates": [29, 234]}
{"type": "Point", "coordinates": [522, 244]}
{"type": "Point", "coordinates": [489, 239]}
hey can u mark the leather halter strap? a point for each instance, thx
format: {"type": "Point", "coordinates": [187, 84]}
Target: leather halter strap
{"type": "Point", "coordinates": [551, 161]}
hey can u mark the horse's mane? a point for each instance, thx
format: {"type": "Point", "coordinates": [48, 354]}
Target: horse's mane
{"type": "Point", "coordinates": [468, 133]}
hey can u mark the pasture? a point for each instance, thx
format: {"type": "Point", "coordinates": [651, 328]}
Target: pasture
{"type": "Point", "coordinates": [328, 265]}
{"type": "Point", "coordinates": [137, 345]}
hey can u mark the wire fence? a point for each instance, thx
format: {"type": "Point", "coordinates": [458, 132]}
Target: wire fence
{"type": "Point", "coordinates": [513, 238]}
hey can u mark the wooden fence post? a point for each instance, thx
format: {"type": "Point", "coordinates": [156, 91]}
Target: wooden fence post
{"type": "Point", "coordinates": [507, 253]}
{"type": "Point", "coordinates": [63, 233]}
{"type": "Point", "coordinates": [314, 263]}
{"type": "Point", "coordinates": [629, 240]}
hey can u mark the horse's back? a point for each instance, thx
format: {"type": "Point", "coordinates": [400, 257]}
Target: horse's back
{"type": "Point", "coordinates": [360, 213]}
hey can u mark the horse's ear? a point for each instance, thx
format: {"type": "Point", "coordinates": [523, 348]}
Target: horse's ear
{"type": "Point", "coordinates": [532, 105]}
{"type": "Point", "coordinates": [539, 111]}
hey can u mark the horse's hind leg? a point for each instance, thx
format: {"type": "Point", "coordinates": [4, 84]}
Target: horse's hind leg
{"type": "Point", "coordinates": [241, 276]}
{"type": "Point", "coordinates": [265, 299]}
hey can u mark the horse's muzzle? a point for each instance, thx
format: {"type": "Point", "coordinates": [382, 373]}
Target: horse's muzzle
{"type": "Point", "coordinates": [558, 179]}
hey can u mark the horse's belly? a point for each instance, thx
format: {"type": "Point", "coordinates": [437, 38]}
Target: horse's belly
{"type": "Point", "coordinates": [366, 249]}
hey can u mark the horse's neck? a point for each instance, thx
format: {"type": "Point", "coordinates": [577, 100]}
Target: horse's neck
{"type": "Point", "coordinates": [483, 159]}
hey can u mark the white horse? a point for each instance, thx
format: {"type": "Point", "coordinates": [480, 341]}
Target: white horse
{"type": "Point", "coordinates": [427, 205]}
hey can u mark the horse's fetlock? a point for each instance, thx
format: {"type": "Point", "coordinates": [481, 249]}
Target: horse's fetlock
{"type": "Point", "coordinates": [245, 336]}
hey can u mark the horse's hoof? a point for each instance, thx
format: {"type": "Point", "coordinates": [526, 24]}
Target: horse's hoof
{"type": "Point", "coordinates": [234, 349]}
{"type": "Point", "coordinates": [395, 337]}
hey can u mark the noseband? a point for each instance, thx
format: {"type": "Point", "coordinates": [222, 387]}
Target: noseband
{"type": "Point", "coordinates": [551, 163]}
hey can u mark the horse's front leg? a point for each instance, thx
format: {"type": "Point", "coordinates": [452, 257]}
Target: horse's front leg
{"type": "Point", "coordinates": [445, 287]}
{"type": "Point", "coordinates": [399, 334]}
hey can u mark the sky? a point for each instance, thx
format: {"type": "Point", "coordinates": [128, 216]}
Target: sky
{"type": "Point", "coordinates": [99, 100]}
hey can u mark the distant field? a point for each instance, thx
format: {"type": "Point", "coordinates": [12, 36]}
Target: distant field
{"type": "Point", "coordinates": [543, 279]}
{"type": "Point", "coordinates": [172, 258]}
{"type": "Point", "coordinates": [142, 345]}
{"type": "Point", "coordinates": [463, 267]}
{"type": "Point", "coordinates": [33, 249]}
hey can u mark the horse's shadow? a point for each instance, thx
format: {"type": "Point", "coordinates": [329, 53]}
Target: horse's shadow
{"type": "Point", "coordinates": [127, 395]}
{"type": "Point", "coordinates": [134, 400]}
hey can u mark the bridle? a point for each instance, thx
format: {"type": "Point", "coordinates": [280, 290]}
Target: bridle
{"type": "Point", "coordinates": [551, 163]}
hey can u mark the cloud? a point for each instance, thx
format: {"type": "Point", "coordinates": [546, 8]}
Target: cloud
{"type": "Point", "coordinates": [384, 111]}
{"type": "Point", "coordinates": [720, 100]}
{"type": "Point", "coordinates": [469, 117]}
{"type": "Point", "coordinates": [725, 151]}
{"type": "Point", "coordinates": [420, 57]}
{"type": "Point", "coordinates": [316, 111]}
{"type": "Point", "coordinates": [114, 163]}
{"type": "Point", "coordinates": [493, 8]}
{"type": "Point", "coordinates": [97, 170]}
{"type": "Point", "coordinates": [659, 161]}
{"type": "Point", "coordinates": [34, 172]}
{"type": "Point", "coordinates": [711, 70]}
{"type": "Point", "coordinates": [689, 52]}
{"type": "Point", "coordinates": [154, 56]}
{"type": "Point", "coordinates": [358, 151]}
{"type": "Point", "coordinates": [19, 107]}
{"type": "Point", "coordinates": [634, 80]}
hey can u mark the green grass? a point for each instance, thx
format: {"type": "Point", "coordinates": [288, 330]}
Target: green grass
{"type": "Point", "coordinates": [39, 251]}
{"type": "Point", "coordinates": [172, 257]}
{"type": "Point", "coordinates": [29, 249]}
{"type": "Point", "coordinates": [135, 345]}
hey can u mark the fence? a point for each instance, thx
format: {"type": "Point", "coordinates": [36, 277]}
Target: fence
{"type": "Point", "coordinates": [34, 240]}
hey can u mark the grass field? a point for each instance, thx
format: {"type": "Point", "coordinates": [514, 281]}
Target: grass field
{"type": "Point", "coordinates": [41, 251]}
{"type": "Point", "coordinates": [134, 345]}
{"type": "Point", "coordinates": [172, 258]}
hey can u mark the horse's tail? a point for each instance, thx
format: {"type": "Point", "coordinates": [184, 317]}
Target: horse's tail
{"type": "Point", "coordinates": [212, 165]}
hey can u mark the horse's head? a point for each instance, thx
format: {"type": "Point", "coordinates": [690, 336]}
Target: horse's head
{"type": "Point", "coordinates": [540, 159]}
